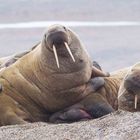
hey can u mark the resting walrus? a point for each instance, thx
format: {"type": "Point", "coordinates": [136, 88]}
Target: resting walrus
{"type": "Point", "coordinates": [129, 98]}
{"type": "Point", "coordinates": [54, 75]}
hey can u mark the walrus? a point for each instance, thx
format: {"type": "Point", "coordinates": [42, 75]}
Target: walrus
{"type": "Point", "coordinates": [129, 98]}
{"type": "Point", "coordinates": [54, 75]}
{"type": "Point", "coordinates": [96, 104]}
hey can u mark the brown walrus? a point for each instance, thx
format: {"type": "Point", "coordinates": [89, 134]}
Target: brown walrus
{"type": "Point", "coordinates": [54, 75]}
{"type": "Point", "coordinates": [129, 98]}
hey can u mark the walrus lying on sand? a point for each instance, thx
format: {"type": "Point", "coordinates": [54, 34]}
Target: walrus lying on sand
{"type": "Point", "coordinates": [129, 98]}
{"type": "Point", "coordinates": [54, 75]}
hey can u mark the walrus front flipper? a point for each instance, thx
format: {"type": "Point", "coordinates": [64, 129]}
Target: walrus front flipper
{"type": "Point", "coordinates": [97, 71]}
{"type": "Point", "coordinates": [96, 105]}
{"type": "Point", "coordinates": [10, 113]}
{"type": "Point", "coordinates": [96, 64]}
{"type": "Point", "coordinates": [97, 79]}
{"type": "Point", "coordinates": [91, 107]}
{"type": "Point", "coordinates": [12, 119]}
{"type": "Point", "coordinates": [69, 115]}
{"type": "Point", "coordinates": [99, 109]}
{"type": "Point", "coordinates": [96, 83]}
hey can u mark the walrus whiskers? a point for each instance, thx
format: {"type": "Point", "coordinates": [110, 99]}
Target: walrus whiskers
{"type": "Point", "coordinates": [69, 51]}
{"type": "Point", "coordinates": [56, 56]}
{"type": "Point", "coordinates": [136, 100]}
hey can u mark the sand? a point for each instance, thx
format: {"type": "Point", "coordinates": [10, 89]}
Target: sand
{"type": "Point", "coordinates": [117, 126]}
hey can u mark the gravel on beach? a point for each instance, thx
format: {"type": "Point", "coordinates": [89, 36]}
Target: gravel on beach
{"type": "Point", "coordinates": [120, 125]}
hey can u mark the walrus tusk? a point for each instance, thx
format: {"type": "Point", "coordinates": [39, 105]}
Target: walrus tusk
{"type": "Point", "coordinates": [136, 100]}
{"type": "Point", "coordinates": [121, 91]}
{"type": "Point", "coordinates": [69, 51]}
{"type": "Point", "coordinates": [56, 56]}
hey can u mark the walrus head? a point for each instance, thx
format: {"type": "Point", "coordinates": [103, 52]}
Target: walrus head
{"type": "Point", "coordinates": [58, 40]}
{"type": "Point", "coordinates": [132, 80]}
{"type": "Point", "coordinates": [64, 55]}
{"type": "Point", "coordinates": [131, 89]}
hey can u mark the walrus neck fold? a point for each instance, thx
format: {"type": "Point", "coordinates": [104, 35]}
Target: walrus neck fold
{"type": "Point", "coordinates": [59, 79]}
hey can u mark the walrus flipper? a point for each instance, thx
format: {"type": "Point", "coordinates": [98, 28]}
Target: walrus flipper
{"type": "Point", "coordinates": [96, 64]}
{"type": "Point", "coordinates": [97, 79]}
{"type": "Point", "coordinates": [92, 107]}
{"type": "Point", "coordinates": [69, 115]}
{"type": "Point", "coordinates": [13, 119]}
{"type": "Point", "coordinates": [99, 109]}
{"type": "Point", "coordinates": [96, 105]}
{"type": "Point", "coordinates": [97, 71]}
{"type": "Point", "coordinates": [97, 83]}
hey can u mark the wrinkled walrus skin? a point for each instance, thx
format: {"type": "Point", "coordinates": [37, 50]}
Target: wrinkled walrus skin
{"type": "Point", "coordinates": [38, 84]}
{"type": "Point", "coordinates": [129, 98]}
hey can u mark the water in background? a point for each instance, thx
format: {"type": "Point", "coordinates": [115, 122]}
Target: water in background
{"type": "Point", "coordinates": [113, 47]}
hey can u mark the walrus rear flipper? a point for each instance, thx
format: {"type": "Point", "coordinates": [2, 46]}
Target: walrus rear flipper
{"type": "Point", "coordinates": [99, 109]}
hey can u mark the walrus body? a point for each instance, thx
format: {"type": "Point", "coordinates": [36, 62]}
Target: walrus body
{"type": "Point", "coordinates": [39, 84]}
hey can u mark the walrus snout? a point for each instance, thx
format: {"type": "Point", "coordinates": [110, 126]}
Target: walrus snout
{"type": "Point", "coordinates": [57, 35]}
{"type": "Point", "coordinates": [58, 39]}
{"type": "Point", "coordinates": [132, 83]}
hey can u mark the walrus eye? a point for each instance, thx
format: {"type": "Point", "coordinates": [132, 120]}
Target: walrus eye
{"type": "Point", "coordinates": [64, 28]}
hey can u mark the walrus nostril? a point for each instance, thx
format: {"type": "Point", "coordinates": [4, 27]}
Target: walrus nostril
{"type": "Point", "coordinates": [58, 37]}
